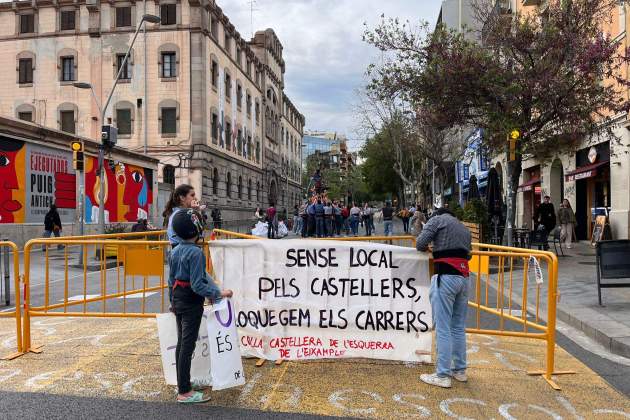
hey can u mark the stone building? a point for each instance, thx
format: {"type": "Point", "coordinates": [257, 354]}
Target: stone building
{"type": "Point", "coordinates": [214, 112]}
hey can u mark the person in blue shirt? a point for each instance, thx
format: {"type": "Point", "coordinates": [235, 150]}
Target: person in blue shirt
{"type": "Point", "coordinates": [182, 197]}
{"type": "Point", "coordinates": [189, 285]}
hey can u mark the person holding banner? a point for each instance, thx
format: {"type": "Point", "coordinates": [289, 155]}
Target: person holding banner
{"type": "Point", "coordinates": [189, 285]}
{"type": "Point", "coordinates": [448, 294]}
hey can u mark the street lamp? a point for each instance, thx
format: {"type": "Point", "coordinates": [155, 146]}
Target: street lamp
{"type": "Point", "coordinates": [103, 110]}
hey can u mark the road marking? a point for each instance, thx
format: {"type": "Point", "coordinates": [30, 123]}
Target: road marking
{"type": "Point", "coordinates": [77, 298]}
{"type": "Point", "coordinates": [8, 309]}
{"type": "Point", "coordinates": [138, 295]}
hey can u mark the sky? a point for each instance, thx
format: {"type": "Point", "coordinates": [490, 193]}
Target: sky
{"type": "Point", "coordinates": [325, 56]}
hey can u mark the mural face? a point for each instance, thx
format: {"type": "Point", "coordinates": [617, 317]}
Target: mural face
{"type": "Point", "coordinates": [11, 180]}
{"type": "Point", "coordinates": [128, 192]}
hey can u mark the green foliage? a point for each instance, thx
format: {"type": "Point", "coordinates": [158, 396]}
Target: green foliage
{"type": "Point", "coordinates": [476, 211]}
{"type": "Point", "coordinates": [456, 209]}
{"type": "Point", "coordinates": [378, 167]}
{"type": "Point", "coordinates": [115, 228]}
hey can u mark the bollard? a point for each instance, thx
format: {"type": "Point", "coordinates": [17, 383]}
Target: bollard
{"type": "Point", "coordinates": [7, 275]}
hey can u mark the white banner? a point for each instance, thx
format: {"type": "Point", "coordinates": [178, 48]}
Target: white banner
{"type": "Point", "coordinates": [227, 367]}
{"type": "Point", "coordinates": [309, 299]}
{"type": "Point", "coordinates": [200, 367]}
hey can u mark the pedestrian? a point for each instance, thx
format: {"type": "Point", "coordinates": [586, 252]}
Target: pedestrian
{"type": "Point", "coordinates": [566, 217]}
{"type": "Point", "coordinates": [304, 219]}
{"type": "Point", "coordinates": [404, 216]}
{"type": "Point", "coordinates": [140, 226]}
{"type": "Point", "coordinates": [367, 219]}
{"type": "Point", "coordinates": [329, 219]}
{"type": "Point", "coordinates": [217, 220]}
{"type": "Point", "coordinates": [272, 222]}
{"type": "Point", "coordinates": [189, 285]}
{"type": "Point", "coordinates": [417, 223]}
{"type": "Point", "coordinates": [52, 225]}
{"type": "Point", "coordinates": [182, 197]}
{"type": "Point", "coordinates": [345, 219]}
{"type": "Point", "coordinates": [355, 215]}
{"type": "Point", "coordinates": [296, 217]}
{"type": "Point", "coordinates": [337, 218]}
{"type": "Point", "coordinates": [448, 294]}
{"type": "Point", "coordinates": [388, 219]}
{"type": "Point", "coordinates": [310, 212]}
{"type": "Point", "coordinates": [545, 215]}
{"type": "Point", "coordinates": [319, 218]}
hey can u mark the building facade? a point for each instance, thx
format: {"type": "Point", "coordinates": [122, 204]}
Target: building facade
{"type": "Point", "coordinates": [595, 176]}
{"type": "Point", "coordinates": [217, 116]}
{"type": "Point", "coordinates": [320, 141]}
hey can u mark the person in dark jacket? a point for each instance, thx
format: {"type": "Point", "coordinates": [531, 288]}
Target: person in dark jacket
{"type": "Point", "coordinates": [546, 214]}
{"type": "Point", "coordinates": [52, 225]}
{"type": "Point", "coordinates": [140, 226]}
{"type": "Point", "coordinates": [448, 294]}
{"type": "Point", "coordinates": [320, 228]}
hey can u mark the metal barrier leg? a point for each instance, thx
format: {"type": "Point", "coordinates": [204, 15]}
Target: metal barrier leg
{"type": "Point", "coordinates": [18, 308]}
{"type": "Point", "coordinates": [552, 300]}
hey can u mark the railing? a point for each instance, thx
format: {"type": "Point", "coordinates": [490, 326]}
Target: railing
{"type": "Point", "coordinates": [16, 313]}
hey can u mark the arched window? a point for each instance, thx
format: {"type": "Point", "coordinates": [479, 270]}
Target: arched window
{"type": "Point", "coordinates": [168, 174]}
{"type": "Point", "coordinates": [25, 67]}
{"type": "Point", "coordinates": [68, 63]}
{"type": "Point", "coordinates": [215, 181]}
{"type": "Point", "coordinates": [168, 61]}
{"type": "Point", "coordinates": [168, 115]}
{"type": "Point", "coordinates": [67, 116]}
{"type": "Point", "coordinates": [228, 185]}
{"type": "Point", "coordinates": [240, 187]}
{"type": "Point", "coordinates": [25, 112]}
{"type": "Point", "coordinates": [249, 189]}
{"type": "Point", "coordinates": [124, 117]}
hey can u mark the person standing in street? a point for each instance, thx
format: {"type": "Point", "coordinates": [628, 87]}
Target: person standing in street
{"type": "Point", "coordinates": [320, 228]}
{"type": "Point", "coordinates": [448, 294]}
{"type": "Point", "coordinates": [355, 217]}
{"type": "Point", "coordinates": [272, 222]}
{"type": "Point", "coordinates": [367, 219]}
{"type": "Point", "coordinates": [329, 220]}
{"type": "Point", "coordinates": [182, 197]}
{"type": "Point", "coordinates": [216, 218]}
{"type": "Point", "coordinates": [189, 285]}
{"type": "Point", "coordinates": [52, 225]}
{"type": "Point", "coordinates": [388, 219]}
{"type": "Point", "coordinates": [345, 219]}
{"type": "Point", "coordinates": [566, 217]}
{"type": "Point", "coordinates": [404, 216]}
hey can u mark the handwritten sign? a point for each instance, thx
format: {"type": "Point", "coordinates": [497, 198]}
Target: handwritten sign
{"type": "Point", "coordinates": [200, 367]}
{"type": "Point", "coordinates": [225, 355]}
{"type": "Point", "coordinates": [308, 299]}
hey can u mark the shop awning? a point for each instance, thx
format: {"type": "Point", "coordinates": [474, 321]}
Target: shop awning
{"type": "Point", "coordinates": [584, 171]}
{"type": "Point", "coordinates": [529, 185]}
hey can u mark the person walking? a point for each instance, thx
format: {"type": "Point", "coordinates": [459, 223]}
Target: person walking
{"type": "Point", "coordinates": [545, 215]}
{"type": "Point", "coordinates": [448, 294]}
{"type": "Point", "coordinates": [189, 285]}
{"type": "Point", "coordinates": [272, 222]}
{"type": "Point", "coordinates": [388, 219]}
{"type": "Point", "coordinates": [182, 197]}
{"type": "Point", "coordinates": [566, 217]}
{"type": "Point", "coordinates": [52, 225]}
{"type": "Point", "coordinates": [404, 216]}
{"type": "Point", "coordinates": [355, 215]}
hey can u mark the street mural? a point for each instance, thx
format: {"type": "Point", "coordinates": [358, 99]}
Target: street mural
{"type": "Point", "coordinates": [128, 192]}
{"type": "Point", "coordinates": [32, 177]}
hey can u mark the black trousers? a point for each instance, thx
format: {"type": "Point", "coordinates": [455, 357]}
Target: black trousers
{"type": "Point", "coordinates": [188, 313]}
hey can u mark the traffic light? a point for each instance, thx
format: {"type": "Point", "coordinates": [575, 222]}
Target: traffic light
{"type": "Point", "coordinates": [77, 155]}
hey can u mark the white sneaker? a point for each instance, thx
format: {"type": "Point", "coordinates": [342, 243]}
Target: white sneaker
{"type": "Point", "coordinates": [433, 379]}
{"type": "Point", "coordinates": [460, 376]}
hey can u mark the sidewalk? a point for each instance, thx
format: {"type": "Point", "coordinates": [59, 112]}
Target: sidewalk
{"type": "Point", "coordinates": [609, 325]}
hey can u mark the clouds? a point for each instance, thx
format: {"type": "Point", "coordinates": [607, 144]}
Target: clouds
{"type": "Point", "coordinates": [325, 55]}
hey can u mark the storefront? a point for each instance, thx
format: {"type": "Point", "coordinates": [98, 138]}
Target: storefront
{"type": "Point", "coordinates": [592, 186]}
{"type": "Point", "coordinates": [532, 195]}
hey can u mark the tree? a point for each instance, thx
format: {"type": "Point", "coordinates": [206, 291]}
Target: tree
{"type": "Point", "coordinates": [378, 167]}
{"type": "Point", "coordinates": [539, 73]}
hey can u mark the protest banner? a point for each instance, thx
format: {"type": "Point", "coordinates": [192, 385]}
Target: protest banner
{"type": "Point", "coordinates": [227, 367]}
{"type": "Point", "coordinates": [167, 334]}
{"type": "Point", "coordinates": [309, 299]}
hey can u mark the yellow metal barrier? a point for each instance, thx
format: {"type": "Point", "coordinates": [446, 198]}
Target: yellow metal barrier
{"type": "Point", "coordinates": [17, 312]}
{"type": "Point", "coordinates": [504, 269]}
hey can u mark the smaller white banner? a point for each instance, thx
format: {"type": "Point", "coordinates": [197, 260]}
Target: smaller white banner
{"type": "Point", "coordinates": [167, 333]}
{"type": "Point", "coordinates": [225, 353]}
